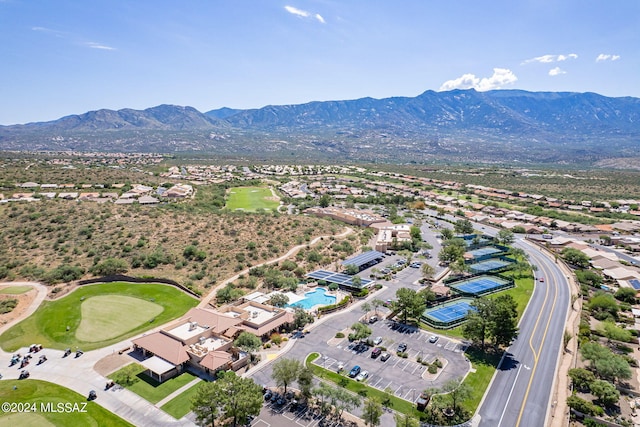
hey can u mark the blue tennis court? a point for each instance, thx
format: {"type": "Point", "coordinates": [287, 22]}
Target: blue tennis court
{"type": "Point", "coordinates": [480, 285]}
{"type": "Point", "coordinates": [484, 252]}
{"type": "Point", "coordinates": [448, 315]}
{"type": "Point", "coordinates": [488, 265]}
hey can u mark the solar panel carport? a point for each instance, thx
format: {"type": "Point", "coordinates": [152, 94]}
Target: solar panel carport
{"type": "Point", "coordinates": [340, 279]}
{"type": "Point", "coordinates": [365, 259]}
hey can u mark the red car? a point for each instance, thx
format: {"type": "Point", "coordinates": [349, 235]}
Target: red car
{"type": "Point", "coordinates": [542, 279]}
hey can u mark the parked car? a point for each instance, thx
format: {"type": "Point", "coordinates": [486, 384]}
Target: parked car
{"type": "Point", "coordinates": [376, 352]}
{"type": "Point", "coordinates": [433, 338]}
{"type": "Point", "coordinates": [385, 356]}
{"type": "Point", "coordinates": [415, 265]}
{"type": "Point", "coordinates": [363, 376]}
{"type": "Point", "coordinates": [354, 371]}
{"type": "Point", "coordinates": [402, 347]}
{"type": "Point", "coordinates": [373, 319]}
{"type": "Point", "coordinates": [377, 340]}
{"type": "Point", "coordinates": [340, 366]}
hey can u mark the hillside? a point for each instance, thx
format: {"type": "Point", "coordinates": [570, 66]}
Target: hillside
{"type": "Point", "coordinates": [459, 125]}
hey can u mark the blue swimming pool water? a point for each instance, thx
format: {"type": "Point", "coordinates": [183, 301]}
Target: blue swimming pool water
{"type": "Point", "coordinates": [316, 297]}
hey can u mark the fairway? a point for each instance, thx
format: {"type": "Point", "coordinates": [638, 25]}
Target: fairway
{"type": "Point", "coordinates": [36, 392]}
{"type": "Point", "coordinates": [58, 323]}
{"type": "Point", "coordinates": [251, 199]}
{"type": "Point", "coordinates": [109, 316]}
{"type": "Point", "coordinates": [15, 290]}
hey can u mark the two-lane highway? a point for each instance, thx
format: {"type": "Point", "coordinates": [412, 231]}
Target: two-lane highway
{"type": "Point", "coordinates": [521, 390]}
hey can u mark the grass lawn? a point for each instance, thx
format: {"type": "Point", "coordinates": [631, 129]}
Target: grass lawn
{"type": "Point", "coordinates": [180, 405]}
{"type": "Point", "coordinates": [148, 388]}
{"type": "Point", "coordinates": [251, 199]}
{"type": "Point", "coordinates": [48, 325]}
{"type": "Point", "coordinates": [101, 320]}
{"type": "Point", "coordinates": [15, 290]}
{"type": "Point", "coordinates": [42, 392]}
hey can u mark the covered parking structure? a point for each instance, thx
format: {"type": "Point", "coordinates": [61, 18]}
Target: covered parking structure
{"type": "Point", "coordinates": [344, 281]}
{"type": "Point", "coordinates": [364, 260]}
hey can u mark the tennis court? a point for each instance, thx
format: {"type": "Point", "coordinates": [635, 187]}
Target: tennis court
{"type": "Point", "coordinates": [484, 253]}
{"type": "Point", "coordinates": [489, 265]}
{"type": "Point", "coordinates": [481, 285]}
{"type": "Point", "coordinates": [447, 315]}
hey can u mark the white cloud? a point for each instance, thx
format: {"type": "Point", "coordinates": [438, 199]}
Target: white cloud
{"type": "Point", "coordinates": [500, 78]}
{"type": "Point", "coordinates": [556, 71]}
{"type": "Point", "coordinates": [545, 59]}
{"type": "Point", "coordinates": [607, 57]}
{"type": "Point", "coordinates": [305, 14]}
{"type": "Point", "coordinates": [299, 12]}
{"type": "Point", "coordinates": [94, 45]}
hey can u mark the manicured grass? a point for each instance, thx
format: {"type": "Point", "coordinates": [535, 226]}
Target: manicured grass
{"type": "Point", "coordinates": [251, 198]}
{"type": "Point", "coordinates": [398, 404]}
{"type": "Point", "coordinates": [485, 366]}
{"type": "Point", "coordinates": [42, 392]}
{"type": "Point", "coordinates": [48, 325]}
{"type": "Point", "coordinates": [15, 290]}
{"type": "Point", "coordinates": [180, 405]}
{"type": "Point", "coordinates": [102, 317]}
{"type": "Point", "coordinates": [147, 387]}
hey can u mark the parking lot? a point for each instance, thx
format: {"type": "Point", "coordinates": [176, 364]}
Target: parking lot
{"type": "Point", "coordinates": [404, 377]}
{"type": "Point", "coordinates": [292, 414]}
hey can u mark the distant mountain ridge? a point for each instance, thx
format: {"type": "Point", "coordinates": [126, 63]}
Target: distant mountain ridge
{"type": "Point", "coordinates": [460, 125]}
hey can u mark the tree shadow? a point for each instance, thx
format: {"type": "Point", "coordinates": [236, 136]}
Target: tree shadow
{"type": "Point", "coordinates": [508, 362]}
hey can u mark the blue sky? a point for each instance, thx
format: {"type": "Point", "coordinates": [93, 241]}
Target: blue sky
{"type": "Point", "coordinates": [67, 57]}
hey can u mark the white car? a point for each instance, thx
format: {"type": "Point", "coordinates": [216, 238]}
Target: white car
{"type": "Point", "coordinates": [362, 376]}
{"type": "Point", "coordinates": [433, 338]}
{"type": "Point", "coordinates": [377, 341]}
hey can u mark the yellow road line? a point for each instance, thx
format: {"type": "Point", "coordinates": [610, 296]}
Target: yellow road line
{"type": "Point", "coordinates": [536, 356]}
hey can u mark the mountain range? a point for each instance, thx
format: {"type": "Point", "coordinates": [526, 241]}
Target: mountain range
{"type": "Point", "coordinates": [459, 125]}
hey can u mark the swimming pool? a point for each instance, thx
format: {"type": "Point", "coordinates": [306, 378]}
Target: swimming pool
{"type": "Point", "coordinates": [316, 297]}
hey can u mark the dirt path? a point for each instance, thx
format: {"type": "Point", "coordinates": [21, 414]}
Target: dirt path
{"type": "Point", "coordinates": [207, 299]}
{"type": "Point", "coordinates": [28, 303]}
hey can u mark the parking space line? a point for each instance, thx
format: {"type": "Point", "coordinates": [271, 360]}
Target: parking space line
{"type": "Point", "coordinates": [407, 394]}
{"type": "Point", "coordinates": [259, 423]}
{"type": "Point", "coordinates": [396, 392]}
{"type": "Point", "coordinates": [414, 369]}
{"type": "Point", "coordinates": [388, 385]}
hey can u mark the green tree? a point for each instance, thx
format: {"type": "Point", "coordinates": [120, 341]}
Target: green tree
{"type": "Point", "coordinates": [463, 226]}
{"type": "Point", "coordinates": [356, 281]}
{"type": "Point", "coordinates": [305, 381]}
{"type": "Point", "coordinates": [366, 308]}
{"type": "Point", "coordinates": [479, 321]}
{"type": "Point", "coordinates": [248, 342]}
{"type": "Point", "coordinates": [351, 269]}
{"type": "Point", "coordinates": [371, 412]}
{"type": "Point", "coordinates": [614, 332]}
{"type": "Point", "coordinates": [285, 372]}
{"type": "Point", "coordinates": [627, 295]}
{"type": "Point", "coordinates": [360, 331]}
{"type": "Point", "coordinates": [427, 295]}
{"type": "Point", "coordinates": [405, 420]}
{"type": "Point", "coordinates": [325, 201]}
{"type": "Point", "coordinates": [447, 233]}
{"type": "Point", "coordinates": [109, 267]}
{"type": "Point", "coordinates": [206, 403]}
{"type": "Point", "coordinates": [575, 257]}
{"type": "Point", "coordinates": [452, 250]}
{"type": "Point", "coordinates": [606, 392]}
{"type": "Point", "coordinates": [408, 303]}
{"type": "Point", "coordinates": [505, 237]}
{"type": "Point", "coordinates": [376, 303]}
{"type": "Point", "coordinates": [603, 306]}
{"type": "Point", "coordinates": [457, 392]}
{"type": "Point", "coordinates": [427, 270]}
{"type": "Point", "coordinates": [504, 320]}
{"type": "Point", "coordinates": [278, 299]}
{"type": "Point", "coordinates": [301, 317]}
{"type": "Point", "coordinates": [230, 396]}
{"type": "Point", "coordinates": [342, 400]}
{"type": "Point", "coordinates": [588, 277]}
{"type": "Point", "coordinates": [581, 379]}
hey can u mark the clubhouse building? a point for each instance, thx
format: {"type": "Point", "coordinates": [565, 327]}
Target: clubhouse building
{"type": "Point", "coordinates": [202, 340]}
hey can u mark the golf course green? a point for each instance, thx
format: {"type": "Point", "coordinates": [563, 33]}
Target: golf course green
{"type": "Point", "coordinates": [94, 316]}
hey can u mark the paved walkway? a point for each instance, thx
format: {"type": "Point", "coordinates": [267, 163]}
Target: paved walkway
{"type": "Point", "coordinates": [178, 392]}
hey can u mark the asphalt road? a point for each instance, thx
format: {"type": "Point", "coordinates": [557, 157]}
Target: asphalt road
{"type": "Point", "coordinates": [522, 387]}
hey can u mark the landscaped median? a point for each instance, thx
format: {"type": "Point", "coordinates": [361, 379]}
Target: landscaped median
{"type": "Point", "coordinates": [94, 316]}
{"type": "Point", "coordinates": [362, 389]}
